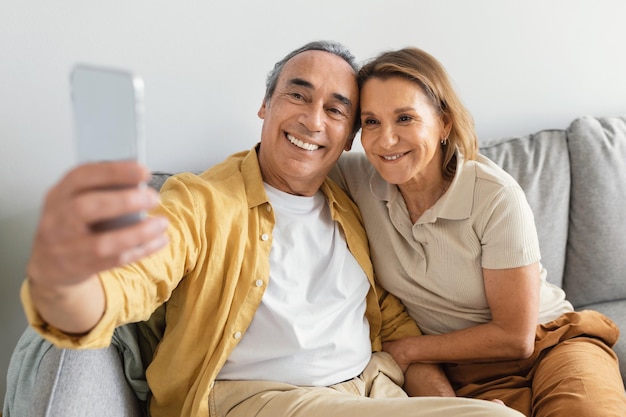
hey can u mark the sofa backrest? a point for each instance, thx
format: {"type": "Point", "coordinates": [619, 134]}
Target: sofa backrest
{"type": "Point", "coordinates": [158, 178]}
{"type": "Point", "coordinates": [596, 254]}
{"type": "Point", "coordinates": [540, 164]}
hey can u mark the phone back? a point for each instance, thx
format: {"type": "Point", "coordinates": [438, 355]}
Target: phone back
{"type": "Point", "coordinates": [108, 113]}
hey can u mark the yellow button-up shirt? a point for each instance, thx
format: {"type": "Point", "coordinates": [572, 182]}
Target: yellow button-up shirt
{"type": "Point", "coordinates": [213, 275]}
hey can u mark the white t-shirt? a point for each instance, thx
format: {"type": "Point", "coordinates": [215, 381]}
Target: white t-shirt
{"type": "Point", "coordinates": [310, 329]}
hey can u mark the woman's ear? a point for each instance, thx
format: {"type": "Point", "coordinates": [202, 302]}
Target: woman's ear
{"type": "Point", "coordinates": [447, 125]}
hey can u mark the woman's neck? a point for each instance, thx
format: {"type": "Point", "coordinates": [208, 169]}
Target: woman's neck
{"type": "Point", "coordinates": [422, 195]}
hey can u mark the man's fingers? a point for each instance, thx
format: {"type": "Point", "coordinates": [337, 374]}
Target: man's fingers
{"type": "Point", "coordinates": [114, 244]}
{"type": "Point", "coordinates": [67, 249]}
{"type": "Point", "coordinates": [96, 206]}
{"type": "Point", "coordinates": [124, 246]}
{"type": "Point", "coordinates": [69, 259]}
{"type": "Point", "coordinates": [148, 248]}
{"type": "Point", "coordinates": [97, 175]}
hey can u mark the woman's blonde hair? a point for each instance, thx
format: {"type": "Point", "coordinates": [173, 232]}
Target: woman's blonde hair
{"type": "Point", "coordinates": [424, 70]}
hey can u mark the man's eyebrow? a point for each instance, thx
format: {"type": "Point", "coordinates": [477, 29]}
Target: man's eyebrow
{"type": "Point", "coordinates": [306, 84]}
{"type": "Point", "coordinates": [300, 82]}
{"type": "Point", "coordinates": [345, 100]}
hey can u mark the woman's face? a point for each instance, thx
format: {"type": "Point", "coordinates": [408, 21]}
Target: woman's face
{"type": "Point", "coordinates": [401, 131]}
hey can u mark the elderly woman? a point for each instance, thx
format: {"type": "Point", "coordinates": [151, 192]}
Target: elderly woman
{"type": "Point", "coordinates": [453, 237]}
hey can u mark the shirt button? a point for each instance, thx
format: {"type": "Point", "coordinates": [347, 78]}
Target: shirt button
{"type": "Point", "coordinates": [268, 208]}
{"type": "Point", "coordinates": [259, 283]}
{"type": "Point", "coordinates": [265, 236]}
{"type": "Point", "coordinates": [237, 335]}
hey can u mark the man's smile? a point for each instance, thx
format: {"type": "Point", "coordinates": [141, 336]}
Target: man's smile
{"type": "Point", "coordinates": [302, 145]}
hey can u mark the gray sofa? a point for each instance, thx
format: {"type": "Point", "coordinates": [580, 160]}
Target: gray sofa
{"type": "Point", "coordinates": [575, 180]}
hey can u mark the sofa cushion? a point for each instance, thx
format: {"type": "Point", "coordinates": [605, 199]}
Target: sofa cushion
{"type": "Point", "coordinates": [540, 164]}
{"type": "Point", "coordinates": [596, 258]}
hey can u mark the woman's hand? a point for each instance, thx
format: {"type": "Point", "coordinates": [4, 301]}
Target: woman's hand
{"type": "Point", "coordinates": [398, 349]}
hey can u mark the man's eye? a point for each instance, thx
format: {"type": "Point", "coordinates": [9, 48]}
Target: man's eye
{"type": "Point", "coordinates": [405, 118]}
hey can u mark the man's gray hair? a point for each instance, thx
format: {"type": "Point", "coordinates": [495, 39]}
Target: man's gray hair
{"type": "Point", "coordinates": [327, 46]}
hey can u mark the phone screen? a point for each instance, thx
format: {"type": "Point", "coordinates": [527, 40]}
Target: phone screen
{"type": "Point", "coordinates": [108, 111]}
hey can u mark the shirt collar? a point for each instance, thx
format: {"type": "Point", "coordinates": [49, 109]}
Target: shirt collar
{"type": "Point", "coordinates": [253, 180]}
{"type": "Point", "coordinates": [255, 191]}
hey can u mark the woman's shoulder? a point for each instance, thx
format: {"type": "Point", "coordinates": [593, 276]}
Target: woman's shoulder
{"type": "Point", "coordinates": [352, 171]}
{"type": "Point", "coordinates": [355, 161]}
{"type": "Point", "coordinates": [488, 171]}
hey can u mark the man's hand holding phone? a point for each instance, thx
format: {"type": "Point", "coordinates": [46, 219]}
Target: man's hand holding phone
{"type": "Point", "coordinates": [67, 252]}
{"type": "Point", "coordinates": [92, 219]}
{"type": "Point", "coordinates": [67, 249]}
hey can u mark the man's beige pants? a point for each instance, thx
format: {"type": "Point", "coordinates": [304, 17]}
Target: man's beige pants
{"type": "Point", "coordinates": [376, 392]}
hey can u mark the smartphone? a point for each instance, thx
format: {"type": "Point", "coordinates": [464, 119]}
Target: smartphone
{"type": "Point", "coordinates": [108, 113]}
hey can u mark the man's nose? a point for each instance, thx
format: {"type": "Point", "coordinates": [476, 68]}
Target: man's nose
{"type": "Point", "coordinates": [313, 117]}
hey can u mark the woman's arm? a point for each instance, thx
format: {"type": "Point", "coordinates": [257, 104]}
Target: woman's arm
{"type": "Point", "coordinates": [513, 297]}
{"type": "Point", "coordinates": [427, 380]}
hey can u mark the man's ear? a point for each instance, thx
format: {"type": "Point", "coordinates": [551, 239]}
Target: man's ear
{"type": "Point", "coordinates": [349, 142]}
{"type": "Point", "coordinates": [261, 112]}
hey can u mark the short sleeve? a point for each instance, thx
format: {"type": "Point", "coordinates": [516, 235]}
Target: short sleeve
{"type": "Point", "coordinates": [509, 235]}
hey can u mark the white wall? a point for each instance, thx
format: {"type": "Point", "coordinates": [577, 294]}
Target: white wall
{"type": "Point", "coordinates": [520, 66]}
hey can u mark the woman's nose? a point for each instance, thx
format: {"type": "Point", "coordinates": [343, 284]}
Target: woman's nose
{"type": "Point", "coordinates": [388, 137]}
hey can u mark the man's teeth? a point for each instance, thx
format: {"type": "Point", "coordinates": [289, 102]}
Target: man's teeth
{"type": "Point", "coordinates": [303, 145]}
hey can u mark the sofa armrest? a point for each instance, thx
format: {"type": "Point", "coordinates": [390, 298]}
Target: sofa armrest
{"type": "Point", "coordinates": [83, 383]}
{"type": "Point", "coordinates": [46, 381]}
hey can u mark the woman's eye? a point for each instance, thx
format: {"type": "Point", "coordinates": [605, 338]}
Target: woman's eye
{"type": "Point", "coordinates": [405, 118]}
{"type": "Point", "coordinates": [368, 122]}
